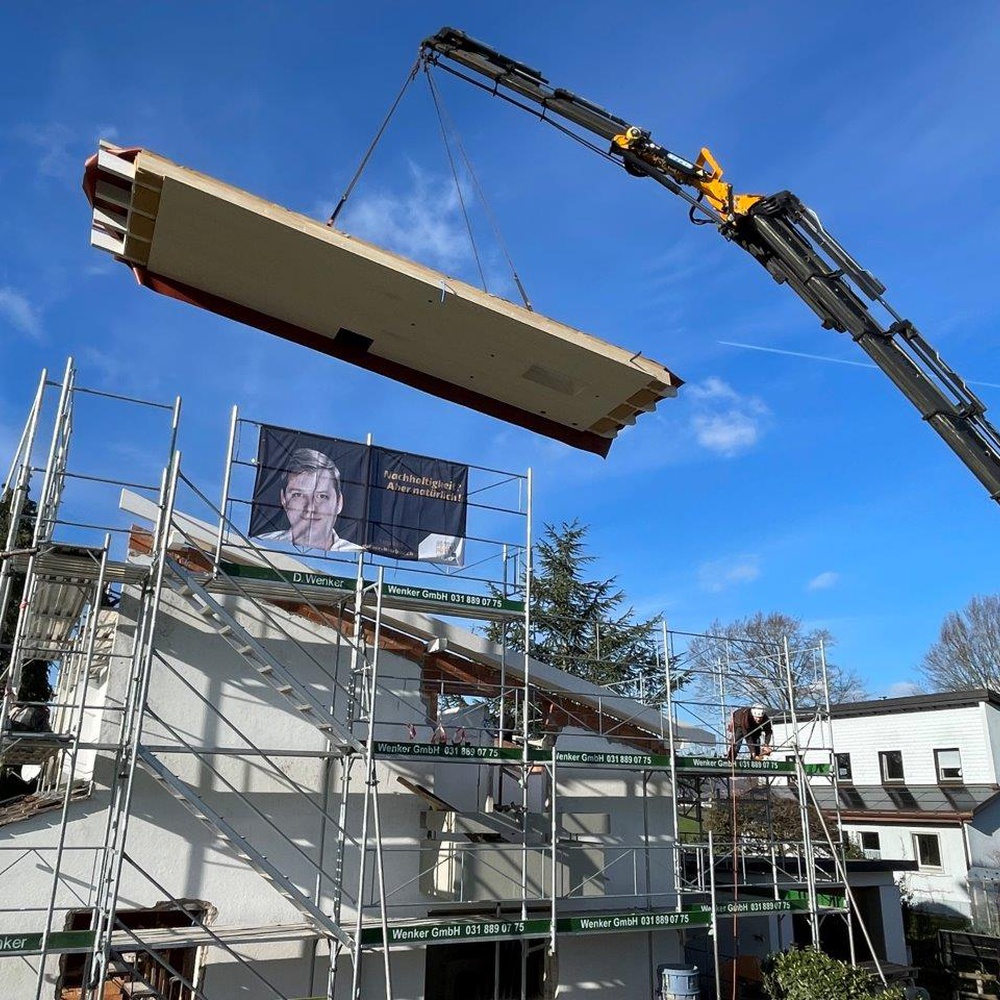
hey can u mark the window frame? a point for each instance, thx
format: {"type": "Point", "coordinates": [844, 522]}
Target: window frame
{"type": "Point", "coordinates": [883, 757]}
{"type": "Point", "coordinates": [921, 866]}
{"type": "Point", "coordinates": [941, 779]}
{"type": "Point", "coordinates": [848, 779]}
{"type": "Point", "coordinates": [869, 833]}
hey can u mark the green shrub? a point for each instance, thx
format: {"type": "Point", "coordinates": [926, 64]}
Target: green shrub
{"type": "Point", "coordinates": [808, 974]}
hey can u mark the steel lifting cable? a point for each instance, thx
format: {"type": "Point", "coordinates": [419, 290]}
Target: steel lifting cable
{"type": "Point", "coordinates": [541, 115]}
{"type": "Point", "coordinates": [410, 77]}
{"type": "Point", "coordinates": [696, 203]}
{"type": "Point", "coordinates": [474, 177]}
{"type": "Point", "coordinates": [454, 173]}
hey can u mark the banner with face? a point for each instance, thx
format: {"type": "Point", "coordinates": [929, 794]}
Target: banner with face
{"type": "Point", "coordinates": [329, 495]}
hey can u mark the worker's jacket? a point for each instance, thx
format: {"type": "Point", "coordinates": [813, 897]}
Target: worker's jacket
{"type": "Point", "coordinates": [744, 726]}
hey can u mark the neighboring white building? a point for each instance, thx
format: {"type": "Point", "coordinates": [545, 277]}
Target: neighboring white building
{"type": "Point", "coordinates": [917, 779]}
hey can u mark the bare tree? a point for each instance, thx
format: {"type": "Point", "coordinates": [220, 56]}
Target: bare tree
{"type": "Point", "coordinates": [745, 660]}
{"type": "Point", "coordinates": [967, 653]}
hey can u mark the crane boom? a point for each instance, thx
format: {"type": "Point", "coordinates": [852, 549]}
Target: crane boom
{"type": "Point", "coordinates": [779, 231]}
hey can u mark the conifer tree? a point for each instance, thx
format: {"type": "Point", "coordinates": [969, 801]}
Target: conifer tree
{"type": "Point", "coordinates": [585, 626]}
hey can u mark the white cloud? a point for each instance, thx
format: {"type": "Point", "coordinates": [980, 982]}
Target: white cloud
{"type": "Point", "coordinates": [424, 223]}
{"type": "Point", "coordinates": [20, 313]}
{"type": "Point", "coordinates": [902, 689]}
{"type": "Point", "coordinates": [721, 574]}
{"type": "Point", "coordinates": [725, 421]}
{"type": "Point", "coordinates": [52, 142]}
{"type": "Point", "coordinates": [823, 581]}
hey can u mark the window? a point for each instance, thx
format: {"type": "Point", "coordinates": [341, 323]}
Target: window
{"type": "Point", "coordinates": [927, 848]}
{"type": "Point", "coordinates": [870, 844]}
{"type": "Point", "coordinates": [843, 761]}
{"type": "Point", "coordinates": [891, 764]}
{"type": "Point", "coordinates": [162, 970]}
{"type": "Point", "coordinates": [870, 840]}
{"type": "Point", "coordinates": [948, 764]}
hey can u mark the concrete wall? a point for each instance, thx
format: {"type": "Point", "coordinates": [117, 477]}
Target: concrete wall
{"type": "Point", "coordinates": [618, 967]}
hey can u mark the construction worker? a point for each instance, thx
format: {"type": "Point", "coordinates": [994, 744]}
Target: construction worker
{"type": "Point", "coordinates": [753, 725]}
{"type": "Point", "coordinates": [29, 714]}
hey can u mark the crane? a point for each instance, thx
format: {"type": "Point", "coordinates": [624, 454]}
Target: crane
{"type": "Point", "coordinates": [779, 231]}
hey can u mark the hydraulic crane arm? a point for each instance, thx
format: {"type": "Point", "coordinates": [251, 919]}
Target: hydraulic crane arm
{"type": "Point", "coordinates": [780, 232]}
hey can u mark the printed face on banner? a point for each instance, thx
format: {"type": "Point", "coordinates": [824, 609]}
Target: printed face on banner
{"type": "Point", "coordinates": [327, 495]}
{"type": "Point", "coordinates": [312, 500]}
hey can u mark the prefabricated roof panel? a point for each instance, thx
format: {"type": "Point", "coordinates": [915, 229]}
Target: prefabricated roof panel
{"type": "Point", "coordinates": [194, 238]}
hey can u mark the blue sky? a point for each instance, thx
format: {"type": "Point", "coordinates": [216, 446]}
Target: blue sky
{"type": "Point", "coordinates": [776, 480]}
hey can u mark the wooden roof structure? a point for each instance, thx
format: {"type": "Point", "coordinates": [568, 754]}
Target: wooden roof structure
{"type": "Point", "coordinates": [194, 238]}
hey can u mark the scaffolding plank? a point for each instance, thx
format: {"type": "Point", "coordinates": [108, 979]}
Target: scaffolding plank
{"type": "Point", "coordinates": [197, 239]}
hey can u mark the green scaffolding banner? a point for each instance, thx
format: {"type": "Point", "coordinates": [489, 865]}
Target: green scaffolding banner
{"type": "Point", "coordinates": [468, 930]}
{"type": "Point", "coordinates": [833, 901]}
{"type": "Point", "coordinates": [457, 930]}
{"type": "Point", "coordinates": [299, 579]}
{"type": "Point", "coordinates": [27, 944]}
{"type": "Point", "coordinates": [393, 592]}
{"type": "Point", "coordinates": [454, 751]}
{"type": "Point", "coordinates": [651, 760]}
{"type": "Point", "coordinates": [751, 906]}
{"type": "Point", "coordinates": [452, 598]}
{"type": "Point", "coordinates": [604, 923]}
{"type": "Point", "coordinates": [743, 766]}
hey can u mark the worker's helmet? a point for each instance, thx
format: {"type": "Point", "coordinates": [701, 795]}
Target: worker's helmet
{"type": "Point", "coordinates": [758, 711]}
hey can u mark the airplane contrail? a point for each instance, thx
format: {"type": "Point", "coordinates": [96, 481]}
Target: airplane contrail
{"type": "Point", "coordinates": [834, 361]}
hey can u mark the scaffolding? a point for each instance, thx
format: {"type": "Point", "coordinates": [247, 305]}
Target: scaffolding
{"type": "Point", "coordinates": [360, 681]}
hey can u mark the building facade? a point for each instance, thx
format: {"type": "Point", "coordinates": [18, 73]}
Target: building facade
{"type": "Point", "coordinates": [264, 777]}
{"type": "Point", "coordinates": [917, 779]}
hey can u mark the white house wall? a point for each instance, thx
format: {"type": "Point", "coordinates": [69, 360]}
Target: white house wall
{"type": "Point", "coordinates": [991, 722]}
{"type": "Point", "coordinates": [946, 888]}
{"type": "Point", "coordinates": [204, 694]}
{"type": "Point", "coordinates": [916, 734]}
{"type": "Point", "coordinates": [984, 837]}
{"type": "Point", "coordinates": [614, 968]}
{"type": "Point", "coordinates": [974, 729]}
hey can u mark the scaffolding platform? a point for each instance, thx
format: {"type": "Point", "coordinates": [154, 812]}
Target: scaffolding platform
{"type": "Point", "coordinates": [158, 939]}
{"type": "Point", "coordinates": [17, 749]}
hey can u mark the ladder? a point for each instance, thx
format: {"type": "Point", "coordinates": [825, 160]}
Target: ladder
{"type": "Point", "coordinates": [256, 655]}
{"type": "Point", "coordinates": [204, 813]}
